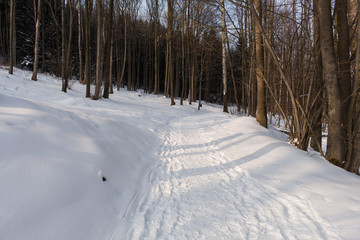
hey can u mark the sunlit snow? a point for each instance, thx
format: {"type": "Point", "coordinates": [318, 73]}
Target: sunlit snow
{"type": "Point", "coordinates": [133, 167]}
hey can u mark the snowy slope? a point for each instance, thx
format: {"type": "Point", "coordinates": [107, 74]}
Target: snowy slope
{"type": "Point", "coordinates": [171, 172]}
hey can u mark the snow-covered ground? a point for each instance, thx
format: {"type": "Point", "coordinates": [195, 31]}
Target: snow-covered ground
{"type": "Point", "coordinates": [171, 172]}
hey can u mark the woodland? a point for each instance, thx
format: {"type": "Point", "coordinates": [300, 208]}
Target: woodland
{"type": "Point", "coordinates": [291, 63]}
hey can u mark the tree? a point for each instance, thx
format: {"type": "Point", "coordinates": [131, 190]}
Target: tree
{"type": "Point", "coordinates": [170, 58]}
{"type": "Point", "coordinates": [261, 106]}
{"type": "Point", "coordinates": [79, 42]}
{"type": "Point", "coordinates": [316, 135]}
{"type": "Point", "coordinates": [88, 7]}
{"type": "Point", "coordinates": [99, 10]}
{"type": "Point", "coordinates": [37, 15]}
{"type": "Point", "coordinates": [66, 49]}
{"type": "Point", "coordinates": [334, 152]}
{"type": "Point", "coordinates": [156, 50]}
{"type": "Point", "coordinates": [344, 74]}
{"type": "Point", "coordinates": [223, 47]}
{"type": "Point", "coordinates": [12, 39]}
{"type": "Point", "coordinates": [109, 51]}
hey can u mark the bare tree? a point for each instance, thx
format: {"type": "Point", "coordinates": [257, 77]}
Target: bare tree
{"type": "Point", "coordinates": [334, 152]}
{"type": "Point", "coordinates": [170, 46]}
{"type": "Point", "coordinates": [223, 47]}
{"type": "Point", "coordinates": [261, 106]}
{"type": "Point", "coordinates": [109, 38]}
{"type": "Point", "coordinates": [99, 10]}
{"type": "Point", "coordinates": [37, 14]}
{"type": "Point", "coordinates": [12, 39]}
{"type": "Point", "coordinates": [88, 7]}
{"type": "Point", "coordinates": [67, 48]}
{"type": "Point", "coordinates": [79, 42]}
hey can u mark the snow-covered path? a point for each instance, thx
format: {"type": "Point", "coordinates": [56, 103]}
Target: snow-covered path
{"type": "Point", "coordinates": [172, 172]}
{"type": "Point", "coordinates": [198, 192]}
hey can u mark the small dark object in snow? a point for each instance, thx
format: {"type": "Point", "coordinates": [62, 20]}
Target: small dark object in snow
{"type": "Point", "coordinates": [139, 95]}
{"type": "Point", "coordinates": [104, 179]}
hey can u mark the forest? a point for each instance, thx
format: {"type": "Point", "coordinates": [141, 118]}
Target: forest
{"type": "Point", "coordinates": [292, 63]}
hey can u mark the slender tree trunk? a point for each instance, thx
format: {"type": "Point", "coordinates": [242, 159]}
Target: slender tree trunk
{"type": "Point", "coordinates": [223, 47]}
{"type": "Point", "coordinates": [183, 54]}
{"type": "Point", "coordinates": [170, 58]}
{"type": "Point", "coordinates": [233, 77]}
{"type": "Point", "coordinates": [108, 53]}
{"type": "Point", "coordinates": [87, 48]}
{"type": "Point", "coordinates": [261, 117]}
{"type": "Point", "coordinates": [343, 48]}
{"type": "Point", "coordinates": [12, 49]}
{"type": "Point", "coordinates": [316, 135]}
{"type": "Point", "coordinates": [37, 12]}
{"type": "Point", "coordinates": [58, 52]}
{"type": "Point", "coordinates": [156, 50]}
{"type": "Point", "coordinates": [63, 57]}
{"type": "Point", "coordinates": [121, 80]}
{"type": "Point", "coordinates": [111, 91]}
{"type": "Point", "coordinates": [81, 80]}
{"type": "Point", "coordinates": [334, 151]}
{"type": "Point", "coordinates": [68, 51]}
{"type": "Point", "coordinates": [99, 9]}
{"type": "Point", "coordinates": [43, 65]}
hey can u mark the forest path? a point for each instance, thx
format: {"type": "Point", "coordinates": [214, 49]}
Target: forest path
{"type": "Point", "coordinates": [198, 192]}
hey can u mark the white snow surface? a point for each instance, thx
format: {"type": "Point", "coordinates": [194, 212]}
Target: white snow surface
{"type": "Point", "coordinates": [171, 172]}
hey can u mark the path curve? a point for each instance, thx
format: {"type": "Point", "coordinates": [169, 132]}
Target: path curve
{"type": "Point", "coordinates": [199, 193]}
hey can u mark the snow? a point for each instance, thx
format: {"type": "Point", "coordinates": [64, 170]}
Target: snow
{"type": "Point", "coordinates": [170, 172]}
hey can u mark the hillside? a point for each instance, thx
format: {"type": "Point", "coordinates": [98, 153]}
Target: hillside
{"type": "Point", "coordinates": [132, 167]}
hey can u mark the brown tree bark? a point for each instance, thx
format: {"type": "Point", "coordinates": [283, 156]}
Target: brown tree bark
{"type": "Point", "coordinates": [63, 51]}
{"type": "Point", "coordinates": [261, 117]}
{"type": "Point", "coordinates": [156, 50]}
{"type": "Point", "coordinates": [223, 48]}
{"type": "Point", "coordinates": [37, 13]}
{"type": "Point", "coordinates": [343, 50]}
{"type": "Point", "coordinates": [99, 10]}
{"type": "Point", "coordinates": [121, 80]}
{"type": "Point", "coordinates": [109, 51]}
{"type": "Point", "coordinates": [170, 57]}
{"type": "Point", "coordinates": [68, 49]}
{"type": "Point", "coordinates": [88, 4]}
{"type": "Point", "coordinates": [334, 152]}
{"type": "Point", "coordinates": [81, 80]}
{"type": "Point", "coordinates": [316, 135]}
{"type": "Point", "coordinates": [12, 50]}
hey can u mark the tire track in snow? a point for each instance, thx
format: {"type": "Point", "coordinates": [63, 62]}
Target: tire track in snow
{"type": "Point", "coordinates": [200, 193]}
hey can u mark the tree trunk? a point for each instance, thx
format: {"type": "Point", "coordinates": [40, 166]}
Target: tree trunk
{"type": "Point", "coordinates": [223, 48]}
{"type": "Point", "coordinates": [261, 117]}
{"type": "Point", "coordinates": [156, 50]}
{"type": "Point", "coordinates": [352, 162]}
{"type": "Point", "coordinates": [343, 48]}
{"type": "Point", "coordinates": [79, 43]}
{"type": "Point", "coordinates": [170, 58]}
{"type": "Point", "coordinates": [68, 73]}
{"type": "Point", "coordinates": [121, 80]}
{"type": "Point", "coordinates": [12, 49]}
{"type": "Point", "coordinates": [98, 50]}
{"type": "Point", "coordinates": [37, 12]}
{"type": "Point", "coordinates": [334, 151]}
{"type": "Point", "coordinates": [316, 135]}
{"type": "Point", "coordinates": [87, 48]}
{"type": "Point", "coordinates": [111, 90]}
{"type": "Point", "coordinates": [108, 53]}
{"type": "Point", "coordinates": [63, 57]}
{"type": "Point", "coordinates": [183, 55]}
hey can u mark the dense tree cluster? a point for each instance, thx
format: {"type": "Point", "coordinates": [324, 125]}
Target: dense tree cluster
{"type": "Point", "coordinates": [293, 61]}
